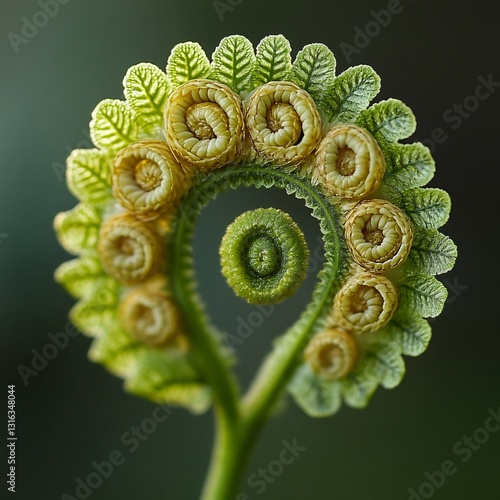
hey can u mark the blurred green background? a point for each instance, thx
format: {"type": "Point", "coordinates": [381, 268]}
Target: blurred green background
{"type": "Point", "coordinates": [430, 55]}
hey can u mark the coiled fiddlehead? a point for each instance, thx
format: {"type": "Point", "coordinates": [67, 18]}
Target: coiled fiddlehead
{"type": "Point", "coordinates": [253, 118]}
{"type": "Point", "coordinates": [264, 256]}
{"type": "Point", "coordinates": [204, 124]}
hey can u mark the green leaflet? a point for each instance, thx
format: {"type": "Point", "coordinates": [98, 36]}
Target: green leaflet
{"type": "Point", "coordinates": [381, 364]}
{"type": "Point", "coordinates": [78, 229]}
{"type": "Point", "coordinates": [358, 387]}
{"type": "Point", "coordinates": [88, 176]}
{"type": "Point", "coordinates": [116, 350]}
{"type": "Point", "coordinates": [113, 125]}
{"type": "Point", "coordinates": [432, 252]}
{"type": "Point", "coordinates": [79, 276]}
{"type": "Point", "coordinates": [187, 61]}
{"type": "Point", "coordinates": [316, 396]}
{"type": "Point", "coordinates": [146, 89]}
{"type": "Point", "coordinates": [388, 120]}
{"type": "Point", "coordinates": [167, 376]}
{"type": "Point", "coordinates": [97, 311]}
{"type": "Point", "coordinates": [408, 166]}
{"type": "Point", "coordinates": [410, 331]}
{"type": "Point", "coordinates": [385, 364]}
{"type": "Point", "coordinates": [351, 93]}
{"type": "Point", "coordinates": [427, 208]}
{"type": "Point", "coordinates": [233, 62]}
{"type": "Point", "coordinates": [273, 60]}
{"type": "Point", "coordinates": [314, 71]}
{"type": "Point", "coordinates": [422, 293]}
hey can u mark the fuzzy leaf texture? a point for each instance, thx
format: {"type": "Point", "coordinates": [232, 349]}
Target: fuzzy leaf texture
{"type": "Point", "coordinates": [187, 61]}
{"type": "Point", "coordinates": [314, 71]}
{"type": "Point", "coordinates": [386, 365]}
{"type": "Point", "coordinates": [423, 293]}
{"type": "Point", "coordinates": [408, 166]}
{"type": "Point", "coordinates": [233, 63]}
{"type": "Point", "coordinates": [432, 252]}
{"type": "Point", "coordinates": [352, 92]}
{"type": "Point", "coordinates": [317, 396]}
{"type": "Point", "coordinates": [410, 331]}
{"type": "Point", "coordinates": [88, 176]}
{"type": "Point", "coordinates": [96, 312]}
{"type": "Point", "coordinates": [168, 377]}
{"type": "Point", "coordinates": [389, 120]}
{"type": "Point", "coordinates": [79, 276]}
{"type": "Point", "coordinates": [146, 89]}
{"type": "Point", "coordinates": [273, 59]}
{"type": "Point", "coordinates": [113, 125]}
{"type": "Point", "coordinates": [427, 208]}
{"type": "Point", "coordinates": [78, 229]}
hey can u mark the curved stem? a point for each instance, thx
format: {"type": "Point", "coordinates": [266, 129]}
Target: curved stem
{"type": "Point", "coordinates": [205, 350]}
{"type": "Point", "coordinates": [228, 462]}
{"type": "Point", "coordinates": [238, 425]}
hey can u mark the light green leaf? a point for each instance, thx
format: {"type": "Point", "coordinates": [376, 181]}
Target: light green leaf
{"type": "Point", "coordinates": [146, 89]}
{"type": "Point", "coordinates": [167, 376]}
{"type": "Point", "coordinates": [113, 125]}
{"type": "Point", "coordinates": [88, 175]}
{"type": "Point", "coordinates": [233, 62]}
{"type": "Point", "coordinates": [432, 252]}
{"type": "Point", "coordinates": [352, 92]}
{"type": "Point", "coordinates": [116, 350]}
{"type": "Point", "coordinates": [428, 208]}
{"type": "Point", "coordinates": [187, 61]}
{"type": "Point", "coordinates": [317, 396]}
{"type": "Point", "coordinates": [410, 331]}
{"type": "Point", "coordinates": [389, 120]}
{"type": "Point", "coordinates": [97, 311]}
{"type": "Point", "coordinates": [79, 276]}
{"type": "Point", "coordinates": [78, 229]}
{"type": "Point", "coordinates": [273, 60]}
{"type": "Point", "coordinates": [314, 71]}
{"type": "Point", "coordinates": [422, 293]}
{"type": "Point", "coordinates": [408, 166]}
{"type": "Point", "coordinates": [359, 386]}
{"type": "Point", "coordinates": [386, 365]}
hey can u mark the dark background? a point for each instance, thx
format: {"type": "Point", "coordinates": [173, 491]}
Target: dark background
{"type": "Point", "coordinates": [73, 412]}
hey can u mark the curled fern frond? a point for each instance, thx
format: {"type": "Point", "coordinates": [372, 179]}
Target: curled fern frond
{"type": "Point", "coordinates": [264, 256]}
{"type": "Point", "coordinates": [253, 118]}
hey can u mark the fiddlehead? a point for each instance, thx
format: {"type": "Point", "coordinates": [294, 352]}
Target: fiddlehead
{"type": "Point", "coordinates": [204, 124]}
{"type": "Point", "coordinates": [283, 122]}
{"type": "Point", "coordinates": [264, 256]}
{"type": "Point", "coordinates": [255, 119]}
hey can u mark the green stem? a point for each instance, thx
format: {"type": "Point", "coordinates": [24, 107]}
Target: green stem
{"type": "Point", "coordinates": [238, 423]}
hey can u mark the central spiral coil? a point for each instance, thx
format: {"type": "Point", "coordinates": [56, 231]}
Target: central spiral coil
{"type": "Point", "coordinates": [264, 256]}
